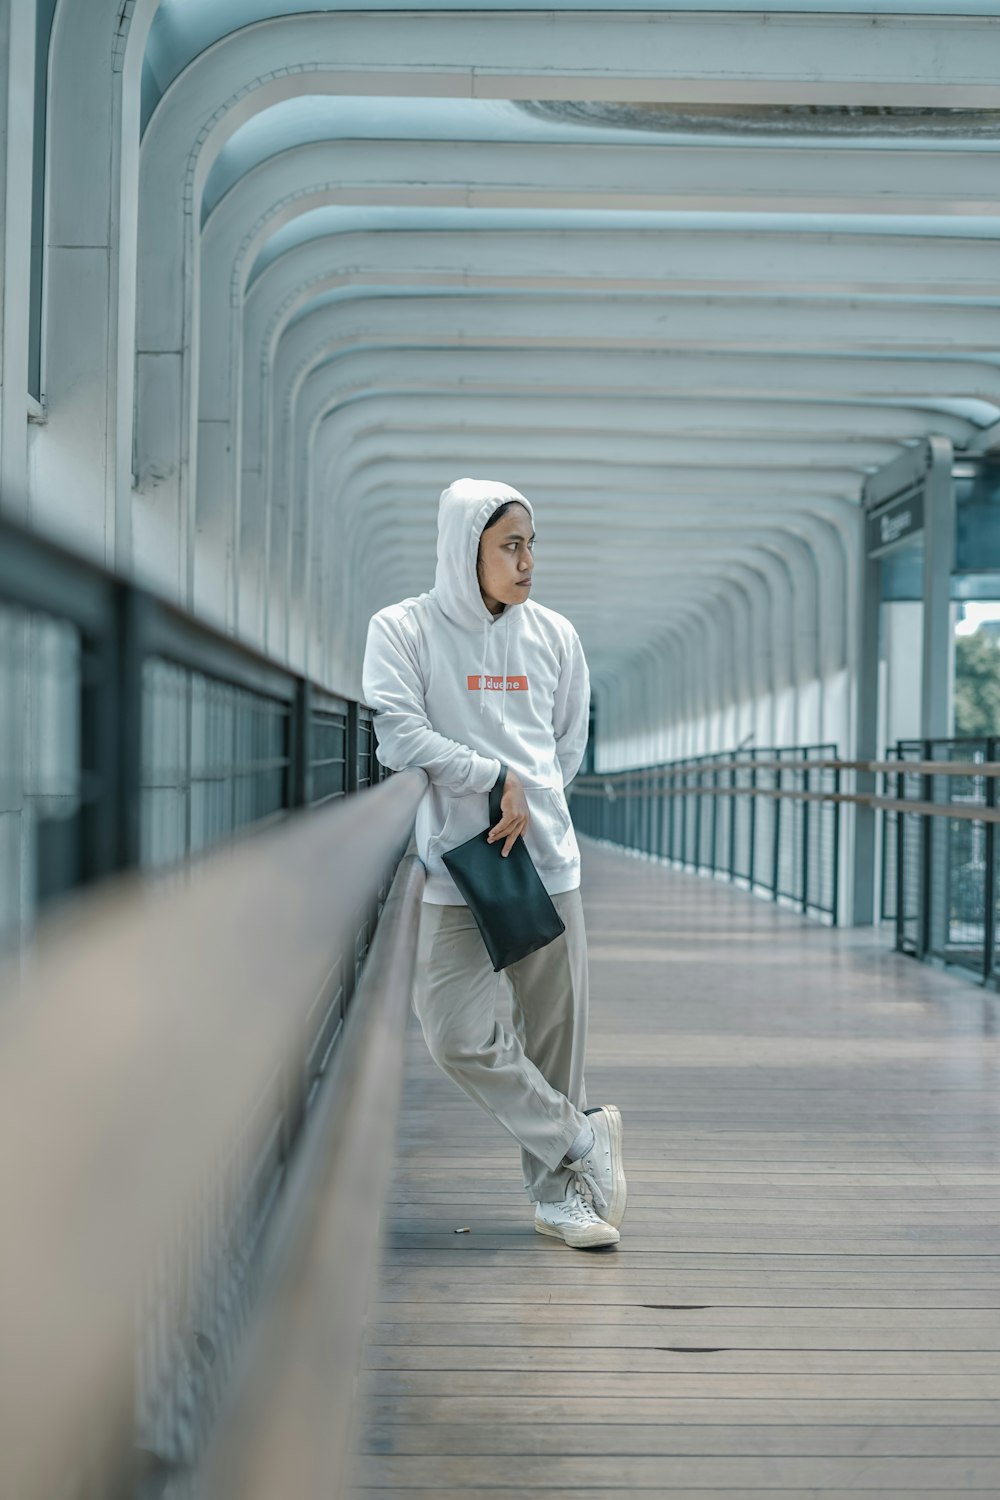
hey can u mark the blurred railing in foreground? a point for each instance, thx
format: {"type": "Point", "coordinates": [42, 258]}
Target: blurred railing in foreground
{"type": "Point", "coordinates": [183, 941]}
{"type": "Point", "coordinates": [152, 1100]}
{"type": "Point", "coordinates": [134, 735]}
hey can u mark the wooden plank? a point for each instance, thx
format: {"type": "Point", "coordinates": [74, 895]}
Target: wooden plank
{"type": "Point", "coordinates": [696, 1289]}
{"type": "Point", "coordinates": [687, 1355]}
{"type": "Point", "coordinates": [665, 1330]}
{"type": "Point", "coordinates": [806, 1299]}
{"type": "Point", "coordinates": [741, 1412]}
{"type": "Point", "coordinates": [581, 1381]}
{"type": "Point", "coordinates": [397, 1321]}
{"type": "Point", "coordinates": [649, 1439]}
{"type": "Point", "coordinates": [573, 1491]}
{"type": "Point", "coordinates": [664, 1473]}
{"type": "Point", "coordinates": [695, 1252]}
{"type": "Point", "coordinates": [636, 1281]}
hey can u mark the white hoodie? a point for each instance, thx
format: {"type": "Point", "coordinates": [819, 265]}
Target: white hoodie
{"type": "Point", "coordinates": [456, 690]}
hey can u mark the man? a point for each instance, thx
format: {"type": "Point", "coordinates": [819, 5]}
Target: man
{"type": "Point", "coordinates": [527, 706]}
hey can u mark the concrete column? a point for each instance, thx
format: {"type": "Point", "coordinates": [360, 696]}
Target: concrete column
{"type": "Point", "coordinates": [937, 695]}
{"type": "Point", "coordinates": [861, 909]}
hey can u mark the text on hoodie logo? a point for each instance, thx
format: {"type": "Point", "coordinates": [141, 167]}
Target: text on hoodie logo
{"type": "Point", "coordinates": [514, 684]}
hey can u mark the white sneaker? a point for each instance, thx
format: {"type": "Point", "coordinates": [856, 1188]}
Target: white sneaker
{"type": "Point", "coordinates": [574, 1221]}
{"type": "Point", "coordinates": [602, 1171]}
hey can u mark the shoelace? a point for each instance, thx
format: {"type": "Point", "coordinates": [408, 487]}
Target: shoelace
{"type": "Point", "coordinates": [576, 1207]}
{"type": "Point", "coordinates": [589, 1188]}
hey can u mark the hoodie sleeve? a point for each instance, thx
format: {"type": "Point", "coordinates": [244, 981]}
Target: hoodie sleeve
{"type": "Point", "coordinates": [393, 688]}
{"type": "Point", "coordinates": [571, 710]}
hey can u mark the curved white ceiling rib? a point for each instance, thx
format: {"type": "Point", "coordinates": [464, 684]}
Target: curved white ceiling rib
{"type": "Point", "coordinates": [184, 28]}
{"type": "Point", "coordinates": [688, 346]}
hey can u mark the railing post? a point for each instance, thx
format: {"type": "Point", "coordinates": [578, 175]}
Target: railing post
{"type": "Point", "coordinates": [697, 820]}
{"type": "Point", "coordinates": [776, 850]}
{"type": "Point", "coordinates": [715, 821]}
{"type": "Point", "coordinates": [733, 773]}
{"type": "Point", "coordinates": [648, 781]}
{"type": "Point", "coordinates": [658, 778]}
{"type": "Point", "coordinates": [684, 820]}
{"type": "Point", "coordinates": [924, 921]}
{"type": "Point", "coordinates": [900, 859]}
{"type": "Point", "coordinates": [752, 862]}
{"type": "Point", "coordinates": [989, 883]}
{"type": "Point", "coordinates": [299, 761]}
{"type": "Point", "coordinates": [351, 758]}
{"type": "Point", "coordinates": [111, 740]}
{"type": "Point", "coordinates": [670, 783]}
{"type": "Point", "coordinates": [835, 877]}
{"type": "Point", "coordinates": [806, 814]}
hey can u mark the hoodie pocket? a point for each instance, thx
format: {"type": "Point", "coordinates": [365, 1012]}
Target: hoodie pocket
{"type": "Point", "coordinates": [550, 840]}
{"type": "Point", "coordinates": [464, 817]}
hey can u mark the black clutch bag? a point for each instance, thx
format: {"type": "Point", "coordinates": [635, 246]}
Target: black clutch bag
{"type": "Point", "coordinates": [514, 911]}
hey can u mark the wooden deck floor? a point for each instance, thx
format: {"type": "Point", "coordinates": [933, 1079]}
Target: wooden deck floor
{"type": "Point", "coordinates": [806, 1297]}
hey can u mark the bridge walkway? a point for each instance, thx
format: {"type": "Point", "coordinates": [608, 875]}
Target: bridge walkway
{"type": "Point", "coordinates": [806, 1297]}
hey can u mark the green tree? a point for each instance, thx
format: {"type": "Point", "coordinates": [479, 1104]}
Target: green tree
{"type": "Point", "coordinates": [977, 684]}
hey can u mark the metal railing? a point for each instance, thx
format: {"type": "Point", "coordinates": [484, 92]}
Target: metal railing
{"type": "Point", "coordinates": [140, 745]}
{"type": "Point", "coordinates": [767, 820]}
{"type": "Point", "coordinates": [770, 821]}
{"type": "Point", "coordinates": [134, 735]}
{"type": "Point", "coordinates": [159, 1026]}
{"type": "Point", "coordinates": [941, 863]}
{"type": "Point", "coordinates": [287, 1428]}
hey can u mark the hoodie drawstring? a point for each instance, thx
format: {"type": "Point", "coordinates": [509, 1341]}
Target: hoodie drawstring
{"type": "Point", "coordinates": [503, 695]}
{"type": "Point", "coordinates": [482, 669]}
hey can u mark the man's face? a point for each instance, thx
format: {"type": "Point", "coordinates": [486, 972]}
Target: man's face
{"type": "Point", "coordinates": [505, 560]}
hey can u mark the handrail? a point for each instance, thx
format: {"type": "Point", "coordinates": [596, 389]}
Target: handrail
{"type": "Point", "coordinates": [976, 812]}
{"type": "Point", "coordinates": [286, 1428]}
{"type": "Point", "coordinates": [880, 767]}
{"type": "Point", "coordinates": [595, 784]}
{"type": "Point", "coordinates": [145, 1025]}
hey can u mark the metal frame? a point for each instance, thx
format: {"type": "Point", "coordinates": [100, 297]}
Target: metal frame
{"type": "Point", "coordinates": [943, 905]}
{"type": "Point", "coordinates": [600, 802]}
{"type": "Point", "coordinates": [123, 626]}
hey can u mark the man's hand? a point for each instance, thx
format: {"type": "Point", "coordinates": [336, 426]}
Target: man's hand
{"type": "Point", "coordinates": [514, 817]}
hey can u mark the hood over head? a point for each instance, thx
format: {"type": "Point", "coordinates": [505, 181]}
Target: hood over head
{"type": "Point", "coordinates": [464, 508]}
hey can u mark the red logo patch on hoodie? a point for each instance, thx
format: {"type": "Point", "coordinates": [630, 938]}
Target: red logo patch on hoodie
{"type": "Point", "coordinates": [495, 684]}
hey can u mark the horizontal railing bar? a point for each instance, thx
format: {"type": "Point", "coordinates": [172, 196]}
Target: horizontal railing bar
{"type": "Point", "coordinates": [139, 1037]}
{"type": "Point", "coordinates": [882, 767]}
{"type": "Point", "coordinates": [171, 634]}
{"type": "Point", "coordinates": [974, 812]}
{"type": "Point", "coordinates": [730, 791]}
{"type": "Point", "coordinates": [937, 767]}
{"type": "Point", "coordinates": [286, 1427]}
{"type": "Point", "coordinates": [971, 812]}
{"type": "Point", "coordinates": [37, 573]}
{"type": "Point", "coordinates": [324, 702]}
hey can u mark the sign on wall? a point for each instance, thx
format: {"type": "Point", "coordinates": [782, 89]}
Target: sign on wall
{"type": "Point", "coordinates": [895, 522]}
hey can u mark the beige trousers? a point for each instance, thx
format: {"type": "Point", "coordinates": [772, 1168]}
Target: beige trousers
{"type": "Point", "coordinates": [529, 1079]}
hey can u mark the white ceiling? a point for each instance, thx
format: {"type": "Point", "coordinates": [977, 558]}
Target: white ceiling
{"type": "Point", "coordinates": [786, 298]}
